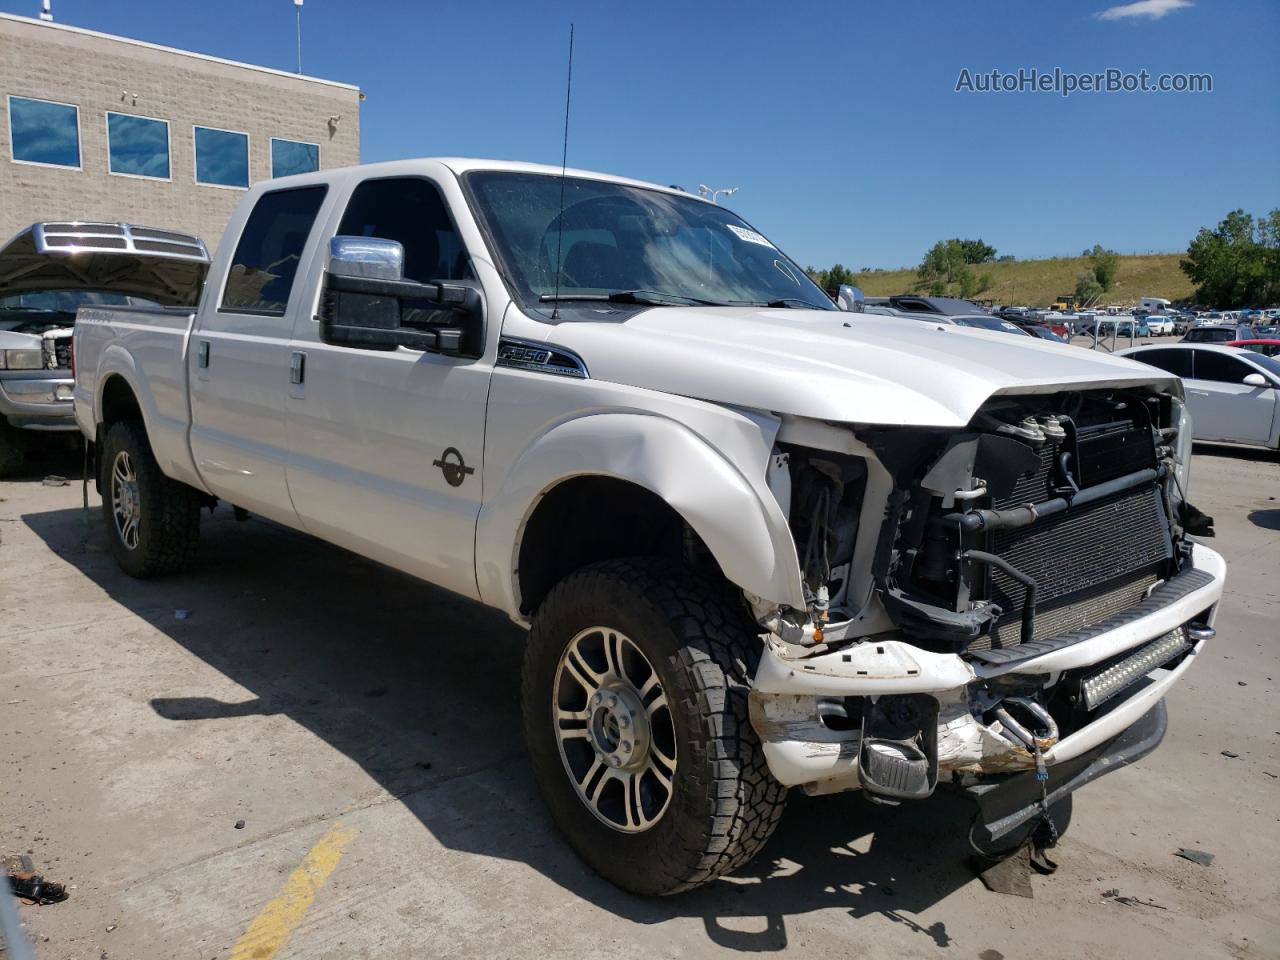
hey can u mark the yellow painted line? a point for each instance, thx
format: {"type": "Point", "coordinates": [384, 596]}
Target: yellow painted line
{"type": "Point", "coordinates": [279, 918]}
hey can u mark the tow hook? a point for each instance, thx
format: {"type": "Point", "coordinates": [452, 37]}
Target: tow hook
{"type": "Point", "coordinates": [1039, 715]}
{"type": "Point", "coordinates": [1045, 834]}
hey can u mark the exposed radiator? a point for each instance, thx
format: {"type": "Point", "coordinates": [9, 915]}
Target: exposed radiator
{"type": "Point", "coordinates": [1088, 564]}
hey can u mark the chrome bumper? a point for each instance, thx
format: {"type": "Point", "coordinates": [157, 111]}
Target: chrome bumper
{"type": "Point", "coordinates": [40, 402]}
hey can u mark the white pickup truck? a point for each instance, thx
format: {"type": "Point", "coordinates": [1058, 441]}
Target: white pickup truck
{"type": "Point", "coordinates": [761, 542]}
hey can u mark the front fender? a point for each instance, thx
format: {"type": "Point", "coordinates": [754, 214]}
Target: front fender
{"type": "Point", "coordinates": [741, 523]}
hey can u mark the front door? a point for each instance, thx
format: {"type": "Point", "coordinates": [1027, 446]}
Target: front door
{"type": "Point", "coordinates": [1222, 406]}
{"type": "Point", "coordinates": [238, 359]}
{"type": "Point", "coordinates": [386, 446]}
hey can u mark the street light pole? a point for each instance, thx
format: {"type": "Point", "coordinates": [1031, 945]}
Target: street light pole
{"type": "Point", "coordinates": [708, 193]}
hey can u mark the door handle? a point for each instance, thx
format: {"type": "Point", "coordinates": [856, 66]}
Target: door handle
{"type": "Point", "coordinates": [202, 354]}
{"type": "Point", "coordinates": [297, 367]}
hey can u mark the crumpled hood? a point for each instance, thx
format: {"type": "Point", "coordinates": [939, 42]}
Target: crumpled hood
{"type": "Point", "coordinates": [829, 365]}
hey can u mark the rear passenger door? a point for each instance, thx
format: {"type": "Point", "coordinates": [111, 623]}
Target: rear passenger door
{"type": "Point", "coordinates": [1222, 406]}
{"type": "Point", "coordinates": [238, 360]}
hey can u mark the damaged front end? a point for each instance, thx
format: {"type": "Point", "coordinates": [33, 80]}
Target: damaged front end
{"type": "Point", "coordinates": [997, 601]}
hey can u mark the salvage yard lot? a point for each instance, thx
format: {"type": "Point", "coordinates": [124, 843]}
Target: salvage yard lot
{"type": "Point", "coordinates": [351, 717]}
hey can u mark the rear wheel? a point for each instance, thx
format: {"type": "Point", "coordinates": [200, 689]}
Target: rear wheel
{"type": "Point", "coordinates": [153, 523]}
{"type": "Point", "coordinates": [635, 712]}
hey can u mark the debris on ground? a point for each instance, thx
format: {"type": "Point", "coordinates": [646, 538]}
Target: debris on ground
{"type": "Point", "coordinates": [1115, 896]}
{"type": "Point", "coordinates": [29, 886]}
{"type": "Point", "coordinates": [239, 824]}
{"type": "Point", "coordinates": [1010, 876]}
{"type": "Point", "coordinates": [1230, 756]}
{"type": "Point", "coordinates": [1195, 856]}
{"type": "Point", "coordinates": [55, 481]}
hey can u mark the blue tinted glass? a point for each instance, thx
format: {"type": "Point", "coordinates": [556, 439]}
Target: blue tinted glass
{"type": "Point", "coordinates": [138, 145]}
{"type": "Point", "coordinates": [290, 156]}
{"type": "Point", "coordinates": [222, 157]}
{"type": "Point", "coordinates": [44, 132]}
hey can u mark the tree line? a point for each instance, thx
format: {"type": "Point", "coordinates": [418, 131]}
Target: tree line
{"type": "Point", "coordinates": [1236, 264]}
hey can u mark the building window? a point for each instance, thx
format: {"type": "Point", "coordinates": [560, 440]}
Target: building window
{"type": "Point", "coordinates": [137, 146]}
{"type": "Point", "coordinates": [222, 157]}
{"type": "Point", "coordinates": [293, 156]}
{"type": "Point", "coordinates": [270, 248]}
{"type": "Point", "coordinates": [44, 132]}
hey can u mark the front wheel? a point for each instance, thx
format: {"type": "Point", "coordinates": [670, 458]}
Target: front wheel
{"type": "Point", "coordinates": [635, 713]}
{"type": "Point", "coordinates": [153, 522]}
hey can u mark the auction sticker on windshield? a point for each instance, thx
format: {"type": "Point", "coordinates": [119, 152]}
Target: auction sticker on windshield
{"type": "Point", "coordinates": [749, 235]}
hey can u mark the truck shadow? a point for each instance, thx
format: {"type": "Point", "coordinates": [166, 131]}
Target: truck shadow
{"type": "Point", "coordinates": [421, 689]}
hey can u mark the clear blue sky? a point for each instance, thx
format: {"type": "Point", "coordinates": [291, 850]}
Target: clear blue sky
{"type": "Point", "coordinates": [838, 121]}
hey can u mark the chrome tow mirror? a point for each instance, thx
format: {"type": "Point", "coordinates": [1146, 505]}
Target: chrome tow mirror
{"type": "Point", "coordinates": [850, 299]}
{"type": "Point", "coordinates": [370, 258]}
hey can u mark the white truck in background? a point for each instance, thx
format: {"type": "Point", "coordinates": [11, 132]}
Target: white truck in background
{"type": "Point", "coordinates": [760, 542]}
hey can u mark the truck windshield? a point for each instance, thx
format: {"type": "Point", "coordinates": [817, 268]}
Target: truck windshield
{"type": "Point", "coordinates": [625, 244]}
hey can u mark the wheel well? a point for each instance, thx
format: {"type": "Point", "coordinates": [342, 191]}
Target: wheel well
{"type": "Point", "coordinates": [588, 519]}
{"type": "Point", "coordinates": [118, 402]}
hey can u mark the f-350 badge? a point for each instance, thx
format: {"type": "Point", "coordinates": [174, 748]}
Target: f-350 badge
{"type": "Point", "coordinates": [453, 467]}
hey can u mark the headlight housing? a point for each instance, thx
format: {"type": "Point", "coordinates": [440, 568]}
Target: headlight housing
{"type": "Point", "coordinates": [22, 359]}
{"type": "Point", "coordinates": [1182, 448]}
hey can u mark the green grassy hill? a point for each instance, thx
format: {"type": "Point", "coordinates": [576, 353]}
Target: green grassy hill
{"type": "Point", "coordinates": [1037, 283]}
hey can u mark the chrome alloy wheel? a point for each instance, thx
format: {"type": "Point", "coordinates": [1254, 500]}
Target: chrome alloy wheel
{"type": "Point", "coordinates": [125, 502]}
{"type": "Point", "coordinates": [614, 728]}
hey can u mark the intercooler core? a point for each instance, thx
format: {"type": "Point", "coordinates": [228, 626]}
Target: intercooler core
{"type": "Point", "coordinates": [1092, 561]}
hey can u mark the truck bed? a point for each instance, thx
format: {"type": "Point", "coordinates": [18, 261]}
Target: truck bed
{"type": "Point", "coordinates": [111, 340]}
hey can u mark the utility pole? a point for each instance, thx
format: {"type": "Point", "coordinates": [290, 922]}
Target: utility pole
{"type": "Point", "coordinates": [297, 7]}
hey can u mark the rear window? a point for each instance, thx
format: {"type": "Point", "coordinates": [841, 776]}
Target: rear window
{"type": "Point", "coordinates": [1177, 362]}
{"type": "Point", "coordinates": [1210, 336]}
{"type": "Point", "coordinates": [266, 259]}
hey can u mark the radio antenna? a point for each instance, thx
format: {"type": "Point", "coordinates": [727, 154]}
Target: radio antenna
{"type": "Point", "coordinates": [564, 162]}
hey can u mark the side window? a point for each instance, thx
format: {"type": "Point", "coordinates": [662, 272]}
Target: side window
{"type": "Point", "coordinates": [1220, 367]}
{"type": "Point", "coordinates": [411, 211]}
{"type": "Point", "coordinates": [266, 258]}
{"type": "Point", "coordinates": [1177, 362]}
{"type": "Point", "coordinates": [41, 131]}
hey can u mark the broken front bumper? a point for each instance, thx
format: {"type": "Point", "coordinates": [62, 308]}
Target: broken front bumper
{"type": "Point", "coordinates": [802, 710]}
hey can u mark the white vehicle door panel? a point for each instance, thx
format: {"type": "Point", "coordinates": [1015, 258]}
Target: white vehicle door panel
{"type": "Point", "coordinates": [238, 360]}
{"type": "Point", "coordinates": [1225, 410]}
{"type": "Point", "coordinates": [385, 447]}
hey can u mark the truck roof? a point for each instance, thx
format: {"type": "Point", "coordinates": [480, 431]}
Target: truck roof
{"type": "Point", "coordinates": [461, 165]}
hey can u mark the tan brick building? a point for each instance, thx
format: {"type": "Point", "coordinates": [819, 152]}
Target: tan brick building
{"type": "Point", "coordinates": [97, 127]}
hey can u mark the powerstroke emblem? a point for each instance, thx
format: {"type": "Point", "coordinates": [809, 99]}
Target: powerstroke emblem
{"type": "Point", "coordinates": [453, 467]}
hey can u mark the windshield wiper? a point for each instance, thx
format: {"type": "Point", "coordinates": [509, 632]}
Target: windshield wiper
{"type": "Point", "coordinates": [794, 303]}
{"type": "Point", "coordinates": [650, 298]}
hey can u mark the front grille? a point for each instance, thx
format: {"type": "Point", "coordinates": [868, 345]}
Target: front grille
{"type": "Point", "coordinates": [1088, 564]}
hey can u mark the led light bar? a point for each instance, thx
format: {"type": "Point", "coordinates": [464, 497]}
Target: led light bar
{"type": "Point", "coordinates": [1106, 683]}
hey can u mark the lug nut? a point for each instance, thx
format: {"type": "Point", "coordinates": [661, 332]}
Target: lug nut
{"type": "Point", "coordinates": [595, 701]}
{"type": "Point", "coordinates": [616, 761]}
{"type": "Point", "coordinates": [611, 702]}
{"type": "Point", "coordinates": [626, 746]}
{"type": "Point", "coordinates": [624, 722]}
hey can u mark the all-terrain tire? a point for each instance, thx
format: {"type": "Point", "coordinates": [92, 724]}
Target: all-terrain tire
{"type": "Point", "coordinates": [724, 804]}
{"type": "Point", "coordinates": [167, 525]}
